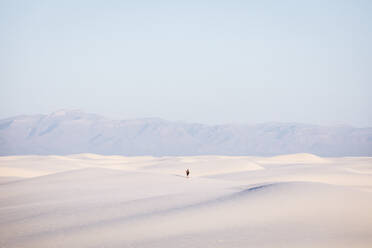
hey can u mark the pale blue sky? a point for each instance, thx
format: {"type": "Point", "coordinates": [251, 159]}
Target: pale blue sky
{"type": "Point", "coordinates": [200, 61]}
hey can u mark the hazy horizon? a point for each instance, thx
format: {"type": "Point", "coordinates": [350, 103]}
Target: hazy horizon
{"type": "Point", "coordinates": [119, 118]}
{"type": "Point", "coordinates": [201, 62]}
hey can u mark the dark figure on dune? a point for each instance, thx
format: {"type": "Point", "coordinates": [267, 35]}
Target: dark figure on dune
{"type": "Point", "coordinates": [187, 172]}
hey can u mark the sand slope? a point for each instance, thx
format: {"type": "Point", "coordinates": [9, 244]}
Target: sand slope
{"type": "Point", "coordinates": [88, 200]}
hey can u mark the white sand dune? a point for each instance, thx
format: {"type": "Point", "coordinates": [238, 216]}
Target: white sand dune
{"type": "Point", "coordinates": [88, 200]}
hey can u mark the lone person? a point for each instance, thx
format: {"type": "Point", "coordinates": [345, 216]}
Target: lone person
{"type": "Point", "coordinates": [187, 172]}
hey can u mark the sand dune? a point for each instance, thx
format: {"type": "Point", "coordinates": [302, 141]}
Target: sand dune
{"type": "Point", "coordinates": [89, 200]}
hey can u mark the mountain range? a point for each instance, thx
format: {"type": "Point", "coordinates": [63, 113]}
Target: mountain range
{"type": "Point", "coordinates": [73, 131]}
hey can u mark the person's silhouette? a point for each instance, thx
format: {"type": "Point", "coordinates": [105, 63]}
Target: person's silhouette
{"type": "Point", "coordinates": [187, 172]}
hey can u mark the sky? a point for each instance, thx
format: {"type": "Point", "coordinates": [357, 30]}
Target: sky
{"type": "Point", "coordinates": [210, 62]}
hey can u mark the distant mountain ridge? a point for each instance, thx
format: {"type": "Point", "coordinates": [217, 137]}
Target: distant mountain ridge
{"type": "Point", "coordinates": [73, 131]}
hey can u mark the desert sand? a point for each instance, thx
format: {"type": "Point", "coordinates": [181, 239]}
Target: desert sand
{"type": "Point", "coordinates": [88, 200]}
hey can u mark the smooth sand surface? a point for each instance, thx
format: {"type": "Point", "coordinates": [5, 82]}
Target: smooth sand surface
{"type": "Point", "coordinates": [89, 200]}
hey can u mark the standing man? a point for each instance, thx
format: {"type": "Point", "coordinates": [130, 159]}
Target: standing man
{"type": "Point", "coordinates": [187, 172]}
